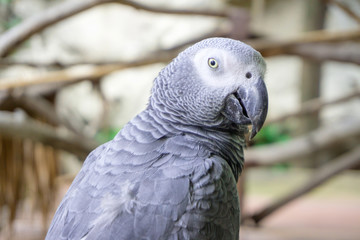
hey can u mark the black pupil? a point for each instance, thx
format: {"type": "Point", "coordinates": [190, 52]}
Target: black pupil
{"type": "Point", "coordinates": [212, 63]}
{"type": "Point", "coordinates": [248, 75]}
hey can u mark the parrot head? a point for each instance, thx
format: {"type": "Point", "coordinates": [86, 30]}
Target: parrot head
{"type": "Point", "coordinates": [216, 82]}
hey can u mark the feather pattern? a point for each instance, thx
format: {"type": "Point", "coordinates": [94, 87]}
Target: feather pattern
{"type": "Point", "coordinates": [142, 179]}
{"type": "Point", "coordinates": [171, 172]}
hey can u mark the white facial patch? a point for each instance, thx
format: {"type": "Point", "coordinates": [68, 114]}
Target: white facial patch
{"type": "Point", "coordinates": [230, 73]}
{"type": "Point", "coordinates": [227, 72]}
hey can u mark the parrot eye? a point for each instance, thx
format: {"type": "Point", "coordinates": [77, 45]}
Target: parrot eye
{"type": "Point", "coordinates": [248, 75]}
{"type": "Point", "coordinates": [212, 63]}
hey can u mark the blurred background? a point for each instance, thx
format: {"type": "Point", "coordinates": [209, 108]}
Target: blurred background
{"type": "Point", "coordinates": [73, 72]}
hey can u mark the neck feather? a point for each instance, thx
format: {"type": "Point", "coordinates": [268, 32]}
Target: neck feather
{"type": "Point", "coordinates": [225, 141]}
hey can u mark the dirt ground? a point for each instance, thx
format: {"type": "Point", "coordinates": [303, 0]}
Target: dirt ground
{"type": "Point", "coordinates": [308, 219]}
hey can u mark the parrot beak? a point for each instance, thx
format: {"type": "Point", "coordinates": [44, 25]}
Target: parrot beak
{"type": "Point", "coordinates": [248, 105]}
{"type": "Point", "coordinates": [255, 101]}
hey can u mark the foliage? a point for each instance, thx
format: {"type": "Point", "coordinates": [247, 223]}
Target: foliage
{"type": "Point", "coordinates": [8, 18]}
{"type": "Point", "coordinates": [5, 2]}
{"type": "Point", "coordinates": [272, 134]}
{"type": "Point", "coordinates": [11, 22]}
{"type": "Point", "coordinates": [106, 134]}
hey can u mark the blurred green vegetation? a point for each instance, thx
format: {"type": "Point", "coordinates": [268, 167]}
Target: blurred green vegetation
{"type": "Point", "coordinates": [11, 22]}
{"type": "Point", "coordinates": [8, 18]}
{"type": "Point", "coordinates": [272, 134]}
{"type": "Point", "coordinates": [106, 134]}
{"type": "Point", "coordinates": [5, 2]}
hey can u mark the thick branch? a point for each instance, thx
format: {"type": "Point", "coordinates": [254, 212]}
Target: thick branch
{"type": "Point", "coordinates": [348, 52]}
{"type": "Point", "coordinates": [341, 52]}
{"type": "Point", "coordinates": [19, 126]}
{"type": "Point", "coordinates": [313, 106]}
{"type": "Point", "coordinates": [268, 48]}
{"type": "Point", "coordinates": [271, 47]}
{"type": "Point", "coordinates": [78, 73]}
{"type": "Point", "coordinates": [33, 106]}
{"type": "Point", "coordinates": [323, 138]}
{"type": "Point", "coordinates": [38, 108]}
{"type": "Point", "coordinates": [155, 56]}
{"type": "Point", "coordinates": [208, 13]}
{"type": "Point", "coordinates": [5, 62]}
{"type": "Point", "coordinates": [18, 34]}
{"type": "Point", "coordinates": [344, 162]}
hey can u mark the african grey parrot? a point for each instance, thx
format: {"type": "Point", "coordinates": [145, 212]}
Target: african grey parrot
{"type": "Point", "coordinates": [171, 172]}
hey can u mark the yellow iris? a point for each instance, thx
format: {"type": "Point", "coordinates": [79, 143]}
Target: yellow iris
{"type": "Point", "coordinates": [212, 63]}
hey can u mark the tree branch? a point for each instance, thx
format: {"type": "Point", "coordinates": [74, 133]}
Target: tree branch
{"type": "Point", "coordinates": [341, 52]}
{"type": "Point", "coordinates": [18, 34]}
{"type": "Point", "coordinates": [272, 47]}
{"type": "Point", "coordinates": [346, 161]}
{"type": "Point", "coordinates": [209, 13]}
{"type": "Point", "coordinates": [78, 73]}
{"type": "Point", "coordinates": [266, 47]}
{"type": "Point", "coordinates": [19, 126]}
{"type": "Point", "coordinates": [171, 52]}
{"type": "Point", "coordinates": [320, 139]}
{"type": "Point", "coordinates": [346, 9]}
{"type": "Point", "coordinates": [313, 106]}
{"type": "Point", "coordinates": [33, 106]}
{"type": "Point", "coordinates": [36, 107]}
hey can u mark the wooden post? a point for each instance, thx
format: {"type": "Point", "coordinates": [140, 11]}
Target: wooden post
{"type": "Point", "coordinates": [311, 74]}
{"type": "Point", "coordinates": [311, 70]}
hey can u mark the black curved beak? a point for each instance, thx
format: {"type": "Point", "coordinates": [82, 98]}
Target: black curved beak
{"type": "Point", "coordinates": [248, 105]}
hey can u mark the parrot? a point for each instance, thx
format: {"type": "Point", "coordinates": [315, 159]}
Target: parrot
{"type": "Point", "coordinates": [171, 171]}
